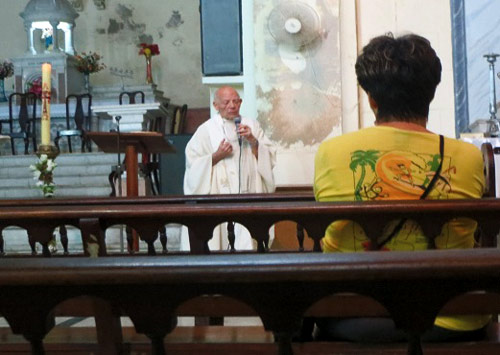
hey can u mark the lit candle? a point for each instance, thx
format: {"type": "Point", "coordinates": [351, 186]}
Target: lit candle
{"type": "Point", "coordinates": [46, 89]}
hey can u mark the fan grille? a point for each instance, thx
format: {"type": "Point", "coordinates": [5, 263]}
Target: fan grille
{"type": "Point", "coordinates": [294, 23]}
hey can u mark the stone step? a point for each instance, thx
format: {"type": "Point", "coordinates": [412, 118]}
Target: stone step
{"type": "Point", "coordinates": [85, 191]}
{"type": "Point", "coordinates": [60, 181]}
{"type": "Point", "coordinates": [62, 160]}
{"type": "Point", "coordinates": [16, 240]}
{"type": "Point", "coordinates": [76, 175]}
{"type": "Point", "coordinates": [61, 170]}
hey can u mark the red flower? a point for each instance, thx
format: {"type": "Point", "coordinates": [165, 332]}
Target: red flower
{"type": "Point", "coordinates": [36, 87]}
{"type": "Point", "coordinates": [149, 49]}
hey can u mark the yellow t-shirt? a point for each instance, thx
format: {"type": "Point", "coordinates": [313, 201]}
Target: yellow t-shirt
{"type": "Point", "coordinates": [386, 163]}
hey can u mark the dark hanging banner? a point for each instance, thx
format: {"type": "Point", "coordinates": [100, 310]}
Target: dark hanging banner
{"type": "Point", "coordinates": [221, 43]}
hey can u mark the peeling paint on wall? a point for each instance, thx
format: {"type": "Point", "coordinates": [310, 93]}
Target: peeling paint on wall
{"type": "Point", "coordinates": [175, 20]}
{"type": "Point", "coordinates": [145, 38]}
{"type": "Point", "coordinates": [298, 87]}
{"type": "Point", "coordinates": [126, 15]}
{"type": "Point", "coordinates": [291, 121]}
{"type": "Point", "coordinates": [114, 26]}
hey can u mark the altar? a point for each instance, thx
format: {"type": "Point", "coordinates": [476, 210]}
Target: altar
{"type": "Point", "coordinates": [102, 96]}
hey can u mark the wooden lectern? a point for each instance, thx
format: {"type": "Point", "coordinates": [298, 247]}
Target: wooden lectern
{"type": "Point", "coordinates": [132, 143]}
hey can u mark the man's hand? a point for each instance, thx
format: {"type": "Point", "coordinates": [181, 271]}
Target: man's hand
{"type": "Point", "coordinates": [246, 132]}
{"type": "Point", "coordinates": [225, 149]}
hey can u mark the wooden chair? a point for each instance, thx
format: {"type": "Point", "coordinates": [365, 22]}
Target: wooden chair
{"type": "Point", "coordinates": [178, 118]}
{"type": "Point", "coordinates": [489, 169]}
{"type": "Point", "coordinates": [26, 118]}
{"type": "Point", "coordinates": [131, 96]}
{"type": "Point", "coordinates": [150, 165]}
{"type": "Point", "coordinates": [82, 121]}
{"type": "Point", "coordinates": [116, 170]}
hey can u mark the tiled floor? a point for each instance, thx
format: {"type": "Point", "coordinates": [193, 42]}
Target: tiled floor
{"type": "Point", "coordinates": [126, 322]}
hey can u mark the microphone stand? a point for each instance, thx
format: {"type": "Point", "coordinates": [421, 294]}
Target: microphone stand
{"type": "Point", "coordinates": [119, 166]}
{"type": "Point", "coordinates": [231, 236]}
{"type": "Point", "coordinates": [119, 171]}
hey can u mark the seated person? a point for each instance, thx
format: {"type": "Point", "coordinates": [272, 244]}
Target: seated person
{"type": "Point", "coordinates": [398, 159]}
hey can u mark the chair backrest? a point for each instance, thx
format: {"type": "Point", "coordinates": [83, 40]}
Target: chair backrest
{"type": "Point", "coordinates": [131, 96]}
{"type": "Point", "coordinates": [489, 169]}
{"type": "Point", "coordinates": [27, 111]}
{"type": "Point", "coordinates": [82, 113]}
{"type": "Point", "coordinates": [178, 116]}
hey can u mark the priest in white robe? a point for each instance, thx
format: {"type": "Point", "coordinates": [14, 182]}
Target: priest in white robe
{"type": "Point", "coordinates": [222, 158]}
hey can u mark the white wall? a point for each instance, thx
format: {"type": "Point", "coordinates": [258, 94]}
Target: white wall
{"type": "Point", "coordinates": [116, 32]}
{"type": "Point", "coordinates": [429, 18]}
{"type": "Point", "coordinates": [178, 68]}
{"type": "Point", "coordinates": [361, 20]}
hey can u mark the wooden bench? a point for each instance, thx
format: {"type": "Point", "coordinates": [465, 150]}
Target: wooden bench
{"type": "Point", "coordinates": [147, 216]}
{"type": "Point", "coordinates": [279, 287]}
{"type": "Point", "coordinates": [412, 287]}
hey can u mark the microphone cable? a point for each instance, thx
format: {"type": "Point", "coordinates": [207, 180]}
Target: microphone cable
{"type": "Point", "coordinates": [237, 122]}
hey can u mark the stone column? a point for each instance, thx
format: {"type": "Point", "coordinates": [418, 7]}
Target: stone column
{"type": "Point", "coordinates": [68, 40]}
{"type": "Point", "coordinates": [29, 31]}
{"type": "Point", "coordinates": [55, 36]}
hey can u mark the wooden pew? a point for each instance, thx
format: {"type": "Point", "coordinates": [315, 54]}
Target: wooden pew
{"type": "Point", "coordinates": [40, 217]}
{"type": "Point", "coordinates": [281, 288]}
{"type": "Point", "coordinates": [149, 216]}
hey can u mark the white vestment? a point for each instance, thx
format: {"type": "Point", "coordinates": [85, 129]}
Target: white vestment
{"type": "Point", "coordinates": [228, 176]}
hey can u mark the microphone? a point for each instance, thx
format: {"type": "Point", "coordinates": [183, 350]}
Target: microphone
{"type": "Point", "coordinates": [237, 122]}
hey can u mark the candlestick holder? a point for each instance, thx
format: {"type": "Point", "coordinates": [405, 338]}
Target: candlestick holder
{"type": "Point", "coordinates": [494, 124]}
{"type": "Point", "coordinates": [51, 151]}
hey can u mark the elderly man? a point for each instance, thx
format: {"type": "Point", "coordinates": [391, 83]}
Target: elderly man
{"type": "Point", "coordinates": [228, 154]}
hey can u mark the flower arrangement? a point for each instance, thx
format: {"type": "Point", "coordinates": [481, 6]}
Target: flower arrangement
{"type": "Point", "coordinates": [35, 87]}
{"type": "Point", "coordinates": [6, 69]}
{"type": "Point", "coordinates": [149, 50]}
{"type": "Point", "coordinates": [89, 63]}
{"type": "Point", "coordinates": [43, 172]}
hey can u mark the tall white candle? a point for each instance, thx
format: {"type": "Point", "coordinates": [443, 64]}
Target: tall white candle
{"type": "Point", "coordinates": [46, 90]}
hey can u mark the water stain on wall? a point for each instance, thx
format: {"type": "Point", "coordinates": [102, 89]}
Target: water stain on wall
{"type": "Point", "coordinates": [114, 26]}
{"type": "Point", "coordinates": [300, 115]}
{"type": "Point", "coordinates": [298, 84]}
{"type": "Point", "coordinates": [126, 15]}
{"type": "Point", "coordinates": [145, 38]}
{"type": "Point", "coordinates": [175, 20]}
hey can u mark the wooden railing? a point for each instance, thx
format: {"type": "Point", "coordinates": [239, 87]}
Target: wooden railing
{"type": "Point", "coordinates": [279, 287]}
{"type": "Point", "coordinates": [86, 225]}
{"type": "Point", "coordinates": [201, 214]}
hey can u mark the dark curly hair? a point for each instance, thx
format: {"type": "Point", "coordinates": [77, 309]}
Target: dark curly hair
{"type": "Point", "coordinates": [401, 75]}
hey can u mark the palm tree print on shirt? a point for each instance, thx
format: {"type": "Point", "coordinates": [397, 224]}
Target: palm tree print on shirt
{"type": "Point", "coordinates": [361, 158]}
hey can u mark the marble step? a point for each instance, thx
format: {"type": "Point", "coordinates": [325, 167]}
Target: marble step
{"type": "Point", "coordinates": [62, 160]}
{"type": "Point", "coordinates": [16, 240]}
{"type": "Point", "coordinates": [25, 193]}
{"type": "Point", "coordinates": [78, 174]}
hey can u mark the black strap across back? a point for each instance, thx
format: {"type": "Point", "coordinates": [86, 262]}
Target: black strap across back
{"type": "Point", "coordinates": [426, 192]}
